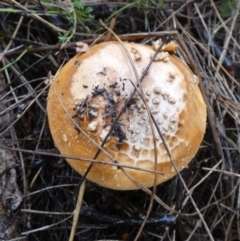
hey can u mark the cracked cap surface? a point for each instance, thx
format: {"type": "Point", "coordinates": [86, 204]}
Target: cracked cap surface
{"type": "Point", "coordinates": [92, 88]}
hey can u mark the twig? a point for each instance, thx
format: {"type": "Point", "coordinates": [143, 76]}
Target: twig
{"type": "Point", "coordinates": [35, 16]}
{"type": "Point", "coordinates": [77, 209]}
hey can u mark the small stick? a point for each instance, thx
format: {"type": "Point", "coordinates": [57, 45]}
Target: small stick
{"type": "Point", "coordinates": [109, 34]}
{"type": "Point", "coordinates": [77, 209]}
{"type": "Point", "coordinates": [124, 37]}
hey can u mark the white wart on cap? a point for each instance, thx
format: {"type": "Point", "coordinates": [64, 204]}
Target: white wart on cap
{"type": "Point", "coordinates": [93, 87]}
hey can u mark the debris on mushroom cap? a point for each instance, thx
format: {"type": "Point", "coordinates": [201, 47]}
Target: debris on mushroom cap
{"type": "Point", "coordinates": [163, 56]}
{"type": "Point", "coordinates": [82, 47]}
{"type": "Point", "coordinates": [168, 47]}
{"type": "Point", "coordinates": [172, 95]}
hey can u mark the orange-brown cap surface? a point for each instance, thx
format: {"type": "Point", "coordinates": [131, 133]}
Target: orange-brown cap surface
{"type": "Point", "coordinates": [92, 88]}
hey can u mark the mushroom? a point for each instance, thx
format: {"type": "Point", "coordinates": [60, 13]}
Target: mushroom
{"type": "Point", "coordinates": [92, 88]}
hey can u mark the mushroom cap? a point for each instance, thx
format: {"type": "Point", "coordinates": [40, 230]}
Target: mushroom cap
{"type": "Point", "coordinates": [90, 91]}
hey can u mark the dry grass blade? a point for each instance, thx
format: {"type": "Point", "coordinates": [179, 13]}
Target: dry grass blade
{"type": "Point", "coordinates": [77, 210]}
